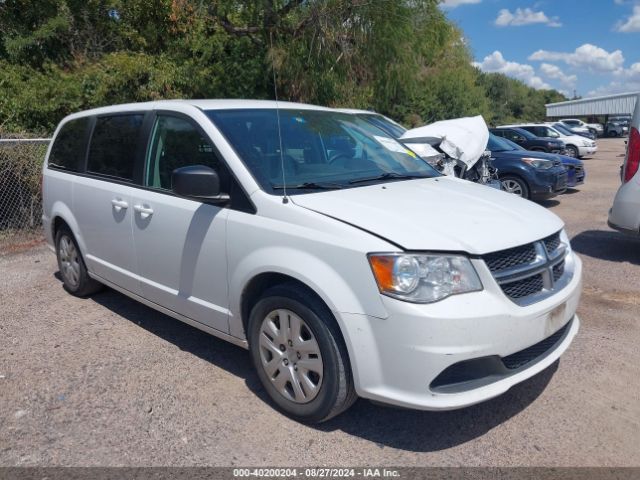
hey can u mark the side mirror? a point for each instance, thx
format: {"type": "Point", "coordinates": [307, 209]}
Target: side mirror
{"type": "Point", "coordinates": [198, 182]}
{"type": "Point", "coordinates": [519, 139]}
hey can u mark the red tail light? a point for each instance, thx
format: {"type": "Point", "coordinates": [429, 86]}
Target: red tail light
{"type": "Point", "coordinates": [633, 155]}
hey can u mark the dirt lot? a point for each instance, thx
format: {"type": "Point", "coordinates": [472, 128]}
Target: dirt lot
{"type": "Point", "coordinates": [106, 381]}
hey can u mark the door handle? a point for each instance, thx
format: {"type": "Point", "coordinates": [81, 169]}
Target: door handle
{"type": "Point", "coordinates": [143, 211]}
{"type": "Point", "coordinates": [119, 204]}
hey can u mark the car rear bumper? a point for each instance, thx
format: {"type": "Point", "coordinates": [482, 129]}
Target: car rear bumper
{"type": "Point", "coordinates": [624, 214]}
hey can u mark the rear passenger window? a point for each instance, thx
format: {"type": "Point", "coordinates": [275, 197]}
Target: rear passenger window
{"type": "Point", "coordinates": [176, 143]}
{"type": "Point", "coordinates": [70, 145]}
{"type": "Point", "coordinates": [114, 145]}
{"type": "Point", "coordinates": [511, 135]}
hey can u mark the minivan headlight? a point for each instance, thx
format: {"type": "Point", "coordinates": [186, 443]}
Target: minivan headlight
{"type": "Point", "coordinates": [538, 163]}
{"type": "Point", "coordinates": [423, 278]}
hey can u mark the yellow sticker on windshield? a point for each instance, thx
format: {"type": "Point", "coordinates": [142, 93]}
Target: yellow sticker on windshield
{"type": "Point", "coordinates": [409, 152]}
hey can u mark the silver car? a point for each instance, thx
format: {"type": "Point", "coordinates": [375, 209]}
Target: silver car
{"type": "Point", "coordinates": [625, 213]}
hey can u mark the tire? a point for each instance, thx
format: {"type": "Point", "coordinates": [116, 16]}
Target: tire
{"type": "Point", "coordinates": [572, 151]}
{"type": "Point", "coordinates": [514, 185]}
{"type": "Point", "coordinates": [326, 388]}
{"type": "Point", "coordinates": [612, 133]}
{"type": "Point", "coordinates": [72, 268]}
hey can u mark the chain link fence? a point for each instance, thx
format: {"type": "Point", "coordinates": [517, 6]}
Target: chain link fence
{"type": "Point", "coordinates": [20, 191]}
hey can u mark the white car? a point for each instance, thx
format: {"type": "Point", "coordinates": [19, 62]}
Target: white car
{"type": "Point", "coordinates": [343, 262]}
{"type": "Point", "coordinates": [624, 215]}
{"type": "Point", "coordinates": [576, 145]}
{"type": "Point", "coordinates": [578, 125]}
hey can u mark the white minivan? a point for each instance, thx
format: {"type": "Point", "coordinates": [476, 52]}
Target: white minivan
{"type": "Point", "coordinates": [344, 263]}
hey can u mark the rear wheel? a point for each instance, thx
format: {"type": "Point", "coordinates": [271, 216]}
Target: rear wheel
{"type": "Point", "coordinates": [72, 268]}
{"type": "Point", "coordinates": [514, 185]}
{"type": "Point", "coordinates": [612, 133]}
{"type": "Point", "coordinates": [299, 354]}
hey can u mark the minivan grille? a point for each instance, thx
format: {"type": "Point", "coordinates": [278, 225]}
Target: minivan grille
{"type": "Point", "coordinates": [552, 243]}
{"type": "Point", "coordinates": [558, 271]}
{"type": "Point", "coordinates": [525, 287]}
{"type": "Point", "coordinates": [510, 258]}
{"type": "Point", "coordinates": [529, 273]}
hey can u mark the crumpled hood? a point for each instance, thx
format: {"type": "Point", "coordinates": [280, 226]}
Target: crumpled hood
{"type": "Point", "coordinates": [439, 213]}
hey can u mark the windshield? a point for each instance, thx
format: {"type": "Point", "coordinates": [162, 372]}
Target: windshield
{"type": "Point", "coordinates": [562, 129]}
{"type": "Point", "coordinates": [321, 149]}
{"type": "Point", "coordinates": [383, 123]}
{"type": "Point", "coordinates": [514, 145]}
{"type": "Point", "coordinates": [497, 144]}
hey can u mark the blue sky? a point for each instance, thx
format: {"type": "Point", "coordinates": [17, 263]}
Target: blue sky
{"type": "Point", "coordinates": [587, 45]}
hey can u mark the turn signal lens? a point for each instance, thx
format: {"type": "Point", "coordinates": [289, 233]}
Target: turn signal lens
{"type": "Point", "coordinates": [383, 271]}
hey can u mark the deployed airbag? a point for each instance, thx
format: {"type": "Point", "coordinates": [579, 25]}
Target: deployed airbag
{"type": "Point", "coordinates": [464, 139]}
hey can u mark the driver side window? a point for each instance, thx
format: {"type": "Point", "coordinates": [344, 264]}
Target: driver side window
{"type": "Point", "coordinates": [175, 143]}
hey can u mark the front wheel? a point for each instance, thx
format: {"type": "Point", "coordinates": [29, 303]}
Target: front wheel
{"type": "Point", "coordinates": [514, 185]}
{"type": "Point", "coordinates": [299, 354]}
{"type": "Point", "coordinates": [572, 151]}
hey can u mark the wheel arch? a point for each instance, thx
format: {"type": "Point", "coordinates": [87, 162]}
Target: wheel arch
{"type": "Point", "coordinates": [62, 215]}
{"type": "Point", "coordinates": [259, 284]}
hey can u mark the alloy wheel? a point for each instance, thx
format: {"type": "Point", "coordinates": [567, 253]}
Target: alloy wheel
{"type": "Point", "coordinates": [511, 186]}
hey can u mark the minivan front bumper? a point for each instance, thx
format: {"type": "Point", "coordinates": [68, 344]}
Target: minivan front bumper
{"type": "Point", "coordinates": [406, 359]}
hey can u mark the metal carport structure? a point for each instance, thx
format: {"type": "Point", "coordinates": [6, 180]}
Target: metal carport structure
{"type": "Point", "coordinates": [619, 104]}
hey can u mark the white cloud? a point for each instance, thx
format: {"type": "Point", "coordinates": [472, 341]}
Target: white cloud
{"type": "Point", "coordinates": [625, 80]}
{"type": "Point", "coordinates": [631, 24]}
{"type": "Point", "coordinates": [457, 3]}
{"type": "Point", "coordinates": [495, 63]}
{"type": "Point", "coordinates": [586, 56]}
{"type": "Point", "coordinates": [524, 16]}
{"type": "Point", "coordinates": [554, 72]}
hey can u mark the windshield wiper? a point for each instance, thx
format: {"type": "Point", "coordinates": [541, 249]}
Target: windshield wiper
{"type": "Point", "coordinates": [310, 186]}
{"type": "Point", "coordinates": [387, 175]}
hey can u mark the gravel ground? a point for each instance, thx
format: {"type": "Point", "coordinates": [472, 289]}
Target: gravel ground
{"type": "Point", "coordinates": [107, 381]}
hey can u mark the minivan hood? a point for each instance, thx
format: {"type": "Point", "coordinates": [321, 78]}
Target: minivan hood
{"type": "Point", "coordinates": [442, 213]}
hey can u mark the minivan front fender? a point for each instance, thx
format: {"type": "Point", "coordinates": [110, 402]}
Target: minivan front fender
{"type": "Point", "coordinates": [340, 294]}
